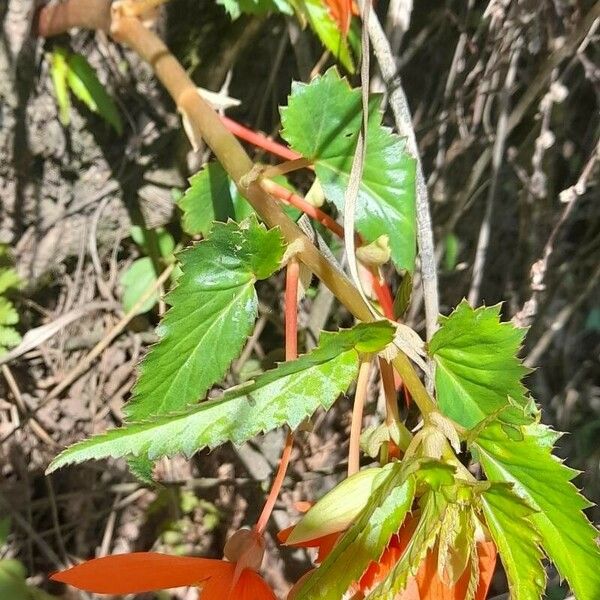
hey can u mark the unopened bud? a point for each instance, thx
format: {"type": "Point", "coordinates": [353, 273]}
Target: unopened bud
{"type": "Point", "coordinates": [245, 546]}
{"type": "Point", "coordinates": [376, 253]}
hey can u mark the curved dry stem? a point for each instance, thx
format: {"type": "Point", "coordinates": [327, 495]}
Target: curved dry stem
{"type": "Point", "coordinates": [205, 123]}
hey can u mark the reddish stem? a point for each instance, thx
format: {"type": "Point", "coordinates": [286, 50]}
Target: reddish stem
{"type": "Point", "coordinates": [301, 204]}
{"type": "Point", "coordinates": [258, 139]}
{"type": "Point", "coordinates": [291, 352]}
{"type": "Point", "coordinates": [381, 289]}
{"type": "Point", "coordinates": [384, 295]}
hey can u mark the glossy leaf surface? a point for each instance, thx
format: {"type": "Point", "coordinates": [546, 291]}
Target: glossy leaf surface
{"type": "Point", "coordinates": [321, 122]}
{"type": "Point", "coordinates": [477, 366]}
{"type": "Point", "coordinates": [213, 309]}
{"type": "Point", "coordinates": [509, 521]}
{"type": "Point", "coordinates": [540, 479]}
{"type": "Point", "coordinates": [285, 395]}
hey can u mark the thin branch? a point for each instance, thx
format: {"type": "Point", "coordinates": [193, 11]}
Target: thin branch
{"type": "Point", "coordinates": [560, 320]}
{"type": "Point", "coordinates": [292, 278]}
{"type": "Point", "coordinates": [360, 397]}
{"type": "Point", "coordinates": [497, 158]}
{"type": "Point", "coordinates": [403, 119]}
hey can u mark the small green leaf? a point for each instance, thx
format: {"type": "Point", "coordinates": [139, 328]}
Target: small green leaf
{"type": "Point", "coordinates": [213, 307]}
{"type": "Point", "coordinates": [403, 296]}
{"type": "Point", "coordinates": [8, 313]}
{"type": "Point", "coordinates": [236, 8]}
{"type": "Point", "coordinates": [451, 248]}
{"type": "Point", "coordinates": [12, 580]}
{"type": "Point", "coordinates": [321, 122]}
{"type": "Point", "coordinates": [212, 196]}
{"type": "Point", "coordinates": [165, 242]}
{"type": "Point", "coordinates": [9, 278]}
{"type": "Point", "coordinates": [366, 539]}
{"type": "Point", "coordinates": [9, 337]}
{"type": "Point", "coordinates": [285, 395]}
{"type": "Point", "coordinates": [336, 509]}
{"type": "Point", "coordinates": [324, 25]}
{"type": "Point", "coordinates": [135, 281]}
{"type": "Point", "coordinates": [84, 83]}
{"type": "Point", "coordinates": [142, 468]}
{"type": "Point", "coordinates": [59, 71]}
{"type": "Point", "coordinates": [423, 539]}
{"type": "Point", "coordinates": [542, 481]}
{"type": "Point", "coordinates": [509, 521]}
{"type": "Point", "coordinates": [478, 370]}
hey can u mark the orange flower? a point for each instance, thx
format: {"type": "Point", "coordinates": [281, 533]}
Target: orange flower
{"type": "Point", "coordinates": [148, 571]}
{"type": "Point", "coordinates": [427, 584]}
{"type": "Point", "coordinates": [324, 544]}
{"type": "Point", "coordinates": [341, 12]}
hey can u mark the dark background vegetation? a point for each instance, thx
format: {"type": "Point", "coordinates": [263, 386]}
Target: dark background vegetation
{"type": "Point", "coordinates": [70, 196]}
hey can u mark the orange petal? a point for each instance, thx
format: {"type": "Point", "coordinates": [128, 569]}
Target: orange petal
{"type": "Point", "coordinates": [325, 545]}
{"type": "Point", "coordinates": [341, 12]}
{"type": "Point", "coordinates": [250, 586]}
{"type": "Point", "coordinates": [377, 571]}
{"type": "Point", "coordinates": [434, 588]}
{"type": "Point", "coordinates": [284, 534]}
{"type": "Point", "coordinates": [141, 572]}
{"type": "Point", "coordinates": [218, 586]}
{"type": "Point", "coordinates": [303, 506]}
{"type": "Point", "coordinates": [487, 565]}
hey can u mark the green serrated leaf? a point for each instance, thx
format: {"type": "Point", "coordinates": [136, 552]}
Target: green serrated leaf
{"type": "Point", "coordinates": [337, 509]}
{"type": "Point", "coordinates": [59, 71]}
{"type": "Point", "coordinates": [285, 395]}
{"type": "Point", "coordinates": [366, 539]}
{"type": "Point", "coordinates": [477, 366]}
{"type": "Point", "coordinates": [12, 580]}
{"type": "Point", "coordinates": [142, 468]}
{"type": "Point", "coordinates": [9, 337]}
{"type": "Point", "coordinates": [135, 281]}
{"type": "Point", "coordinates": [213, 307]}
{"type": "Point", "coordinates": [9, 278]}
{"type": "Point", "coordinates": [8, 313]}
{"type": "Point", "coordinates": [423, 539]}
{"type": "Point", "coordinates": [84, 83]}
{"type": "Point", "coordinates": [324, 25]}
{"type": "Point", "coordinates": [322, 121]}
{"type": "Point", "coordinates": [508, 518]}
{"type": "Point", "coordinates": [211, 197]}
{"type": "Point", "coordinates": [542, 481]}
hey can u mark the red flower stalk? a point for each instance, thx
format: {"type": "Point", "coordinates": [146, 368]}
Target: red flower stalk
{"type": "Point", "coordinates": [148, 571]}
